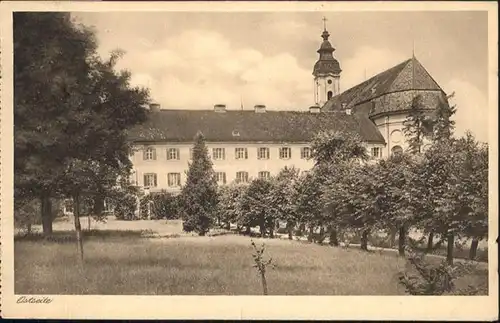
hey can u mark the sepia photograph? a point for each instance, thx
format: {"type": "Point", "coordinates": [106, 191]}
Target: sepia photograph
{"type": "Point", "coordinates": [248, 151]}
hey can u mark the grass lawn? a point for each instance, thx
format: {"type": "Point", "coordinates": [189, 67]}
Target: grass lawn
{"type": "Point", "coordinates": [127, 265]}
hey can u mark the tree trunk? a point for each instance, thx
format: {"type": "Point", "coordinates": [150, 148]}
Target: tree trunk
{"type": "Point", "coordinates": [321, 235]}
{"type": "Point", "coordinates": [228, 225]}
{"type": "Point", "coordinates": [393, 237]}
{"type": "Point", "coordinates": [262, 228]}
{"type": "Point", "coordinates": [271, 231]}
{"type": "Point", "coordinates": [430, 241]}
{"type": "Point", "coordinates": [264, 282]}
{"type": "Point", "coordinates": [334, 240]}
{"type": "Point", "coordinates": [247, 230]}
{"type": "Point", "coordinates": [450, 241]}
{"type": "Point", "coordinates": [311, 233]}
{"type": "Point", "coordinates": [78, 228]}
{"type": "Point", "coordinates": [289, 227]}
{"type": "Point", "coordinates": [88, 221]}
{"type": "Point", "coordinates": [302, 228]}
{"type": "Point", "coordinates": [364, 240]}
{"type": "Point", "coordinates": [473, 249]}
{"type": "Point", "coordinates": [46, 209]}
{"type": "Point", "coordinates": [402, 241]}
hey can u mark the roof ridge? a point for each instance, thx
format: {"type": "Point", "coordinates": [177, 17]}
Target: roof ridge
{"type": "Point", "coordinates": [366, 82]}
{"type": "Point", "coordinates": [428, 74]}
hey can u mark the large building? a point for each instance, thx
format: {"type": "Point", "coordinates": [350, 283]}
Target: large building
{"type": "Point", "coordinates": [258, 143]}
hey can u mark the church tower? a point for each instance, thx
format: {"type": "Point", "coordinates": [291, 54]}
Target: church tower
{"type": "Point", "coordinates": [326, 72]}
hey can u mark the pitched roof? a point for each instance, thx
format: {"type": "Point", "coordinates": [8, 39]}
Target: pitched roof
{"type": "Point", "coordinates": [271, 126]}
{"type": "Point", "coordinates": [406, 76]}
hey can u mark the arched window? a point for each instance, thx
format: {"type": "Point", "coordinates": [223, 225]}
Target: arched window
{"type": "Point", "coordinates": [329, 94]}
{"type": "Point", "coordinates": [397, 150]}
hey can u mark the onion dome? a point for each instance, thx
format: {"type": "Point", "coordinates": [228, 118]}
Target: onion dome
{"type": "Point", "coordinates": [326, 63]}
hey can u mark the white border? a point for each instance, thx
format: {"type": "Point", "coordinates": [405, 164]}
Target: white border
{"type": "Point", "coordinates": [236, 307]}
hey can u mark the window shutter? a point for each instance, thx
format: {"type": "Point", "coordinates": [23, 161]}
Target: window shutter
{"type": "Point", "coordinates": [155, 183]}
{"type": "Point", "coordinates": [224, 178]}
{"type": "Point", "coordinates": [144, 153]}
{"type": "Point", "coordinates": [246, 153]}
{"type": "Point", "coordinates": [145, 181]}
{"type": "Point", "coordinates": [154, 154]}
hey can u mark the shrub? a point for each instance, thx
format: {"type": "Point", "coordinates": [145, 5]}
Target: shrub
{"type": "Point", "coordinates": [425, 278]}
{"type": "Point", "coordinates": [26, 214]}
{"type": "Point", "coordinates": [125, 206]}
{"type": "Point", "coordinates": [164, 205]}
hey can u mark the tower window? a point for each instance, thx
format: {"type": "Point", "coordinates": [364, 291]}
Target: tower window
{"type": "Point", "coordinates": [329, 94]}
{"type": "Point", "coordinates": [329, 81]}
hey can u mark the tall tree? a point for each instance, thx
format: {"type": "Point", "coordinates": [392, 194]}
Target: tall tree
{"type": "Point", "coordinates": [282, 198]}
{"type": "Point", "coordinates": [229, 203]}
{"type": "Point", "coordinates": [257, 206]}
{"type": "Point", "coordinates": [443, 125]}
{"type": "Point", "coordinates": [331, 150]}
{"type": "Point", "coordinates": [76, 131]}
{"type": "Point", "coordinates": [199, 195]}
{"type": "Point", "coordinates": [50, 61]}
{"type": "Point", "coordinates": [417, 125]}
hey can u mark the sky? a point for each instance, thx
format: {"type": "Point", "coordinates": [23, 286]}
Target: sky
{"type": "Point", "coordinates": [193, 60]}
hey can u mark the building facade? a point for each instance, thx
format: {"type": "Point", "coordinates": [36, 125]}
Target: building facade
{"type": "Point", "coordinates": [244, 145]}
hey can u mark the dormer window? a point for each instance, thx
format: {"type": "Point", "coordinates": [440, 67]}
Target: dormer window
{"type": "Point", "coordinates": [236, 133]}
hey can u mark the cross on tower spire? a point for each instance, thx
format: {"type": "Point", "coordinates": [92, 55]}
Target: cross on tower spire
{"type": "Point", "coordinates": [324, 22]}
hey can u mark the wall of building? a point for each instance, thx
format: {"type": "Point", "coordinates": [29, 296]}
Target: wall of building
{"type": "Point", "coordinates": [391, 127]}
{"type": "Point", "coordinates": [230, 165]}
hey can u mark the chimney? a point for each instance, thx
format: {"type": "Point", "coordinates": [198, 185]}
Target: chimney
{"type": "Point", "coordinates": [220, 108]}
{"type": "Point", "coordinates": [154, 107]}
{"type": "Point", "coordinates": [315, 109]}
{"type": "Point", "coordinates": [348, 111]}
{"type": "Point", "coordinates": [260, 108]}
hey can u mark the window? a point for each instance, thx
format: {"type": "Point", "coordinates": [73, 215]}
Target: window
{"type": "Point", "coordinates": [173, 154]}
{"type": "Point", "coordinates": [150, 180]}
{"type": "Point", "coordinates": [174, 179]}
{"type": "Point", "coordinates": [219, 153]}
{"type": "Point", "coordinates": [241, 177]}
{"type": "Point", "coordinates": [397, 150]}
{"type": "Point", "coordinates": [264, 175]}
{"type": "Point", "coordinates": [220, 177]}
{"type": "Point", "coordinates": [376, 152]}
{"type": "Point", "coordinates": [241, 153]}
{"type": "Point", "coordinates": [329, 94]}
{"type": "Point", "coordinates": [285, 153]}
{"type": "Point", "coordinates": [305, 153]}
{"type": "Point", "coordinates": [329, 81]}
{"type": "Point", "coordinates": [149, 154]}
{"type": "Point", "coordinates": [262, 153]}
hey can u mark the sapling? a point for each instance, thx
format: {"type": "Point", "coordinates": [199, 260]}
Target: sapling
{"type": "Point", "coordinates": [261, 264]}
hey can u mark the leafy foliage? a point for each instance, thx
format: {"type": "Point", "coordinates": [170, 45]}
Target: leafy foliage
{"type": "Point", "coordinates": [229, 206]}
{"type": "Point", "coordinates": [425, 278]}
{"type": "Point", "coordinates": [70, 134]}
{"type": "Point", "coordinates": [256, 206]}
{"type": "Point", "coordinates": [417, 125]}
{"type": "Point", "coordinates": [162, 205]}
